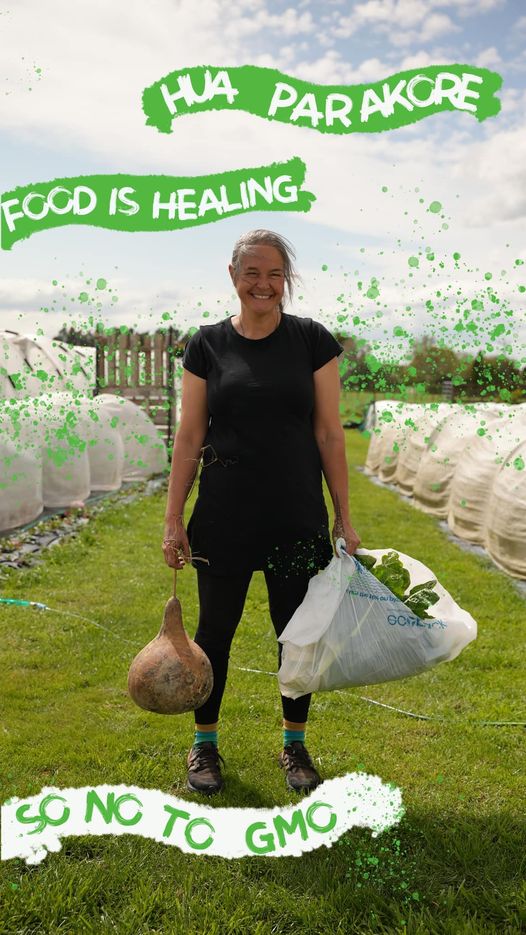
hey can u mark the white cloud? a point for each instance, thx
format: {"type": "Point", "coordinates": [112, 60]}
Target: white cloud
{"type": "Point", "coordinates": [488, 58]}
{"type": "Point", "coordinates": [513, 101]}
{"type": "Point", "coordinates": [503, 179]}
{"type": "Point", "coordinates": [436, 25]}
{"type": "Point", "coordinates": [287, 23]}
{"type": "Point", "coordinates": [332, 68]}
{"type": "Point", "coordinates": [419, 60]}
{"type": "Point", "coordinates": [471, 7]}
{"type": "Point", "coordinates": [403, 22]}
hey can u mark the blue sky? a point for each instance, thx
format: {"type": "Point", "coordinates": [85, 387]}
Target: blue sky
{"type": "Point", "coordinates": [81, 114]}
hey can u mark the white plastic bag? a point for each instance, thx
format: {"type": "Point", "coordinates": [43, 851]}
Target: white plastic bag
{"type": "Point", "coordinates": [351, 630]}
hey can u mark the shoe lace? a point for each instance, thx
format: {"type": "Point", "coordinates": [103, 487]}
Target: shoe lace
{"type": "Point", "coordinates": [205, 756]}
{"type": "Point", "coordinates": [297, 757]}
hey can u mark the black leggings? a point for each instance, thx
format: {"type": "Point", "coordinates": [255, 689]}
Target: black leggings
{"type": "Point", "coordinates": [221, 603]}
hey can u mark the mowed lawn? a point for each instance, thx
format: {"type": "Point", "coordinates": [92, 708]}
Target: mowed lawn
{"type": "Point", "coordinates": [354, 403]}
{"type": "Point", "coordinates": [455, 863]}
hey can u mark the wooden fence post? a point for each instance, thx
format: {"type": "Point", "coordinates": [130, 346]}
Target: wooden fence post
{"type": "Point", "coordinates": [141, 368]}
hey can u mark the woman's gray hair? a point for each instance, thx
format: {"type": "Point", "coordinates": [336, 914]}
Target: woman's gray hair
{"type": "Point", "coordinates": [269, 239]}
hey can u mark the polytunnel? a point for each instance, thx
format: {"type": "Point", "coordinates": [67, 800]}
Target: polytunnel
{"type": "Point", "coordinates": [420, 426]}
{"type": "Point", "coordinates": [21, 425]}
{"type": "Point", "coordinates": [21, 496]}
{"type": "Point", "coordinates": [31, 365]}
{"type": "Point", "coordinates": [505, 527]}
{"type": "Point", "coordinates": [18, 379]}
{"type": "Point", "coordinates": [63, 456]}
{"type": "Point", "coordinates": [447, 444]}
{"type": "Point", "coordinates": [20, 485]}
{"type": "Point", "coordinates": [476, 471]}
{"type": "Point", "coordinates": [385, 410]}
{"type": "Point", "coordinates": [144, 449]}
{"type": "Point", "coordinates": [75, 364]}
{"type": "Point", "coordinates": [56, 448]}
{"type": "Point", "coordinates": [77, 427]}
{"type": "Point", "coordinates": [394, 439]}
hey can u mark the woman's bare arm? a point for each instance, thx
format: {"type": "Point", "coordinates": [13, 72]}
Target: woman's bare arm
{"type": "Point", "coordinates": [188, 443]}
{"type": "Point", "coordinates": [330, 438]}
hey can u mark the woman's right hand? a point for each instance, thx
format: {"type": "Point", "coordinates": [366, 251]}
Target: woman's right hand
{"type": "Point", "coordinates": [176, 548]}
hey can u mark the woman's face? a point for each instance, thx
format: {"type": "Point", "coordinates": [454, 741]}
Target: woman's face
{"type": "Point", "coordinates": [260, 283]}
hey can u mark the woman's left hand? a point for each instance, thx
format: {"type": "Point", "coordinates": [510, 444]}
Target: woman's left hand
{"type": "Point", "coordinates": [342, 529]}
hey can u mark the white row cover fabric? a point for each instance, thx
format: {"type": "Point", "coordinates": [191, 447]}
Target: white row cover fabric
{"type": "Point", "coordinates": [505, 528]}
{"type": "Point", "coordinates": [21, 498]}
{"type": "Point", "coordinates": [423, 421]}
{"type": "Point", "coordinates": [84, 427]}
{"type": "Point", "coordinates": [144, 449]}
{"type": "Point", "coordinates": [75, 363]}
{"type": "Point", "coordinates": [379, 416]}
{"type": "Point", "coordinates": [393, 440]}
{"type": "Point", "coordinates": [63, 456]}
{"type": "Point", "coordinates": [467, 463]}
{"type": "Point", "coordinates": [446, 446]}
{"type": "Point", "coordinates": [21, 494]}
{"type": "Point", "coordinates": [31, 365]}
{"type": "Point", "coordinates": [476, 471]}
{"type": "Point", "coordinates": [57, 447]}
{"type": "Point", "coordinates": [17, 378]}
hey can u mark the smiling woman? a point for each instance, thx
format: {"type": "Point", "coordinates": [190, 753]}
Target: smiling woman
{"type": "Point", "coordinates": [260, 276]}
{"type": "Point", "coordinates": [260, 400]}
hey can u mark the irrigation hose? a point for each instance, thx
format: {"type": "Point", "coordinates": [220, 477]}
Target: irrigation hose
{"type": "Point", "coordinates": [67, 613]}
{"type": "Point", "coordinates": [422, 717]}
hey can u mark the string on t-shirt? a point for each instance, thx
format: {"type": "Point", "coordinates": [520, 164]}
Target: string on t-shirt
{"type": "Point", "coordinates": [216, 457]}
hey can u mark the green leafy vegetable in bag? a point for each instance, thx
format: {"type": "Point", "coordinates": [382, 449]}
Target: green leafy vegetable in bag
{"type": "Point", "coordinates": [392, 573]}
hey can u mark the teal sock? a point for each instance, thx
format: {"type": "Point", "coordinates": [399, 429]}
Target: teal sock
{"type": "Point", "coordinates": [205, 736]}
{"type": "Point", "coordinates": [289, 736]}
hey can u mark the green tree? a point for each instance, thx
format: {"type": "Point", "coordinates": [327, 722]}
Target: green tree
{"type": "Point", "coordinates": [354, 371]}
{"type": "Point", "coordinates": [431, 364]}
{"type": "Point", "coordinates": [498, 377]}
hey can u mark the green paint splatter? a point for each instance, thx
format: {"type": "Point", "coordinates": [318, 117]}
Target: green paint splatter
{"type": "Point", "coordinates": [435, 207]}
{"type": "Point", "coordinates": [373, 291]}
{"type": "Point", "coordinates": [101, 283]}
{"type": "Point", "coordinates": [518, 463]}
{"type": "Point", "coordinates": [413, 261]}
{"type": "Point", "coordinates": [372, 362]}
{"type": "Point", "coordinates": [499, 329]}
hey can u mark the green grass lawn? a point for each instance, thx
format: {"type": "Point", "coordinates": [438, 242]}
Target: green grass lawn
{"type": "Point", "coordinates": [455, 863]}
{"type": "Point", "coordinates": [354, 402]}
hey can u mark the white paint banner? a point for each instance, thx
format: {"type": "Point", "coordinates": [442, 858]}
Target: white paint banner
{"type": "Point", "coordinates": [33, 827]}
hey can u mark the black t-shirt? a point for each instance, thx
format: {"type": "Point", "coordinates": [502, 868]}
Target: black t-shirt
{"type": "Point", "coordinates": [260, 502]}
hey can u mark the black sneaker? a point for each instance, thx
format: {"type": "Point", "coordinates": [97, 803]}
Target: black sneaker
{"type": "Point", "coordinates": [301, 774]}
{"type": "Point", "coordinates": [204, 771]}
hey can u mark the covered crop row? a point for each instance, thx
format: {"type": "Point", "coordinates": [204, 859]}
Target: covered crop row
{"type": "Point", "coordinates": [57, 445]}
{"type": "Point", "coordinates": [57, 448]}
{"type": "Point", "coordinates": [58, 442]}
{"type": "Point", "coordinates": [462, 463]}
{"type": "Point", "coordinates": [30, 365]}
